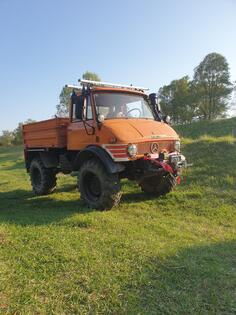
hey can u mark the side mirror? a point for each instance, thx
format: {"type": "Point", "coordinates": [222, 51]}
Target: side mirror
{"type": "Point", "coordinates": [101, 118]}
{"type": "Point", "coordinates": [153, 99]}
{"type": "Point", "coordinates": [167, 119]}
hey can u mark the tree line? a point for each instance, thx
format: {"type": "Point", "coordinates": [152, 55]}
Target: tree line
{"type": "Point", "coordinates": [205, 97]}
{"type": "Point", "coordinates": [14, 137]}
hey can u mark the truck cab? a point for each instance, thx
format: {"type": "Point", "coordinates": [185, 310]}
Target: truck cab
{"type": "Point", "coordinates": [113, 132]}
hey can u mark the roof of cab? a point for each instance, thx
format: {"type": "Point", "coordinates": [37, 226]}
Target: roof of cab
{"type": "Point", "coordinates": [114, 89]}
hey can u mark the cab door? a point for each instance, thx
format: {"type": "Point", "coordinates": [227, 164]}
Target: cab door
{"type": "Point", "coordinates": [81, 131]}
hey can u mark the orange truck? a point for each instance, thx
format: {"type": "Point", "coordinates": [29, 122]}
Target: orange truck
{"type": "Point", "coordinates": [113, 132]}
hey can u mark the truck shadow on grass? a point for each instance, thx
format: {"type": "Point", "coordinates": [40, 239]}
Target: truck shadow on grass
{"type": "Point", "coordinates": [197, 280]}
{"type": "Point", "coordinates": [23, 208]}
{"type": "Point", "coordinates": [18, 164]}
{"type": "Point", "coordinates": [137, 196]}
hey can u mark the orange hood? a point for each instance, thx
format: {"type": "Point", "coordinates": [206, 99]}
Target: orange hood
{"type": "Point", "coordinates": [135, 130]}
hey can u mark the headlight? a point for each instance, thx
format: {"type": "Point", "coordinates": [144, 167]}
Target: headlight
{"type": "Point", "coordinates": [132, 150]}
{"type": "Point", "coordinates": [177, 145]}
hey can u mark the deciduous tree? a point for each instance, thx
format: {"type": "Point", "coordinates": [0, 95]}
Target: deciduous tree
{"type": "Point", "coordinates": [6, 138]}
{"type": "Point", "coordinates": [91, 76]}
{"type": "Point", "coordinates": [212, 86]}
{"type": "Point", "coordinates": [17, 133]}
{"type": "Point", "coordinates": [177, 100]}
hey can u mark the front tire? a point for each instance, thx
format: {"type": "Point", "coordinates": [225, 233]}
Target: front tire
{"type": "Point", "coordinates": [99, 189]}
{"type": "Point", "coordinates": [43, 180]}
{"type": "Point", "coordinates": [158, 186]}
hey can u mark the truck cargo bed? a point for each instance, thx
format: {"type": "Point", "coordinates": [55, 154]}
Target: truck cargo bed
{"type": "Point", "coordinates": [51, 133]}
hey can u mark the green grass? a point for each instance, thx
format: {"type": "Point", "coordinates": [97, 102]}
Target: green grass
{"type": "Point", "coordinates": [217, 128]}
{"type": "Point", "coordinates": [172, 255]}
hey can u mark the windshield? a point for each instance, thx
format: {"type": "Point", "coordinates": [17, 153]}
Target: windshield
{"type": "Point", "coordinates": [121, 105]}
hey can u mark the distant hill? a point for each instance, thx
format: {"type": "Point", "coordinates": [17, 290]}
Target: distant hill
{"type": "Point", "coordinates": [217, 128]}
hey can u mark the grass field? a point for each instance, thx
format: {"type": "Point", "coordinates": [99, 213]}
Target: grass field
{"type": "Point", "coordinates": [172, 255]}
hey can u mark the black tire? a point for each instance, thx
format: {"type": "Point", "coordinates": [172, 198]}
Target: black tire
{"type": "Point", "coordinates": [99, 189]}
{"type": "Point", "coordinates": [43, 180]}
{"type": "Point", "coordinates": [158, 186]}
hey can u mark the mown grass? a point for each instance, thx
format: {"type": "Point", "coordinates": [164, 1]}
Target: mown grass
{"type": "Point", "coordinates": [172, 255]}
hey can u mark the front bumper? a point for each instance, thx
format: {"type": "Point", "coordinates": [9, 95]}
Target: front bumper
{"type": "Point", "coordinates": [172, 163]}
{"type": "Point", "coordinates": [177, 161]}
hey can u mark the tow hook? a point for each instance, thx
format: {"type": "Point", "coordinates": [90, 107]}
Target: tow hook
{"type": "Point", "coordinates": [164, 165]}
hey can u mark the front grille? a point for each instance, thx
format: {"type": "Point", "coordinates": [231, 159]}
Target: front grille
{"type": "Point", "coordinates": [145, 147]}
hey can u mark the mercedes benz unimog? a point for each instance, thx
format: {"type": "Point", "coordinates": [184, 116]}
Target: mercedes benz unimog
{"type": "Point", "coordinates": [113, 132]}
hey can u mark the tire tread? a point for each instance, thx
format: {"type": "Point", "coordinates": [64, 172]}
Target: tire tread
{"type": "Point", "coordinates": [48, 176]}
{"type": "Point", "coordinates": [111, 193]}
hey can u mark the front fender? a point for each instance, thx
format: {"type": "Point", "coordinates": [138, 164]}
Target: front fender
{"type": "Point", "coordinates": [102, 155]}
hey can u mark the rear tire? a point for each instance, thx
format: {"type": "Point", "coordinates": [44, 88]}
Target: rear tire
{"type": "Point", "coordinates": [158, 186]}
{"type": "Point", "coordinates": [43, 180]}
{"type": "Point", "coordinates": [99, 189]}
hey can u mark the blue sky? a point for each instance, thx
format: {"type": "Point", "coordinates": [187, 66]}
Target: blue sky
{"type": "Point", "coordinates": [46, 44]}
